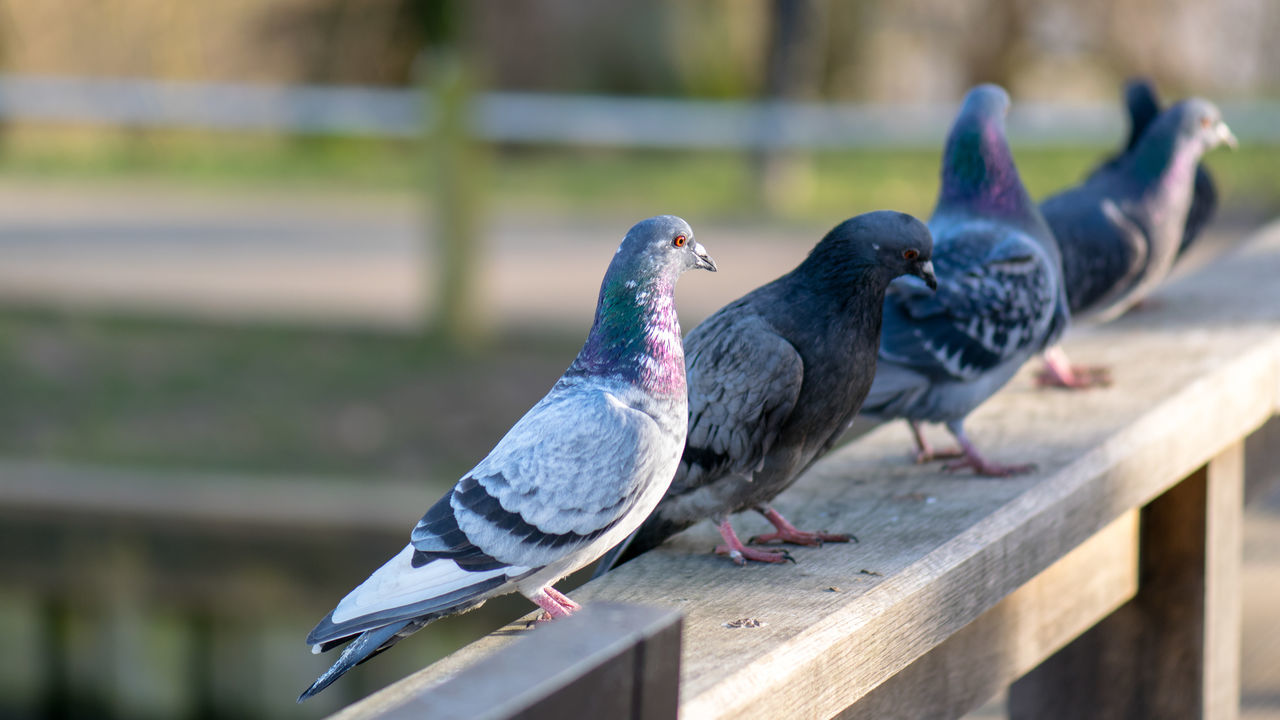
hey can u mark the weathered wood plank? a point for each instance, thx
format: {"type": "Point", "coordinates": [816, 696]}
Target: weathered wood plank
{"type": "Point", "coordinates": [1224, 572]}
{"type": "Point", "coordinates": [1014, 636]}
{"type": "Point", "coordinates": [607, 661]}
{"type": "Point", "coordinates": [1173, 652]}
{"type": "Point", "coordinates": [938, 551]}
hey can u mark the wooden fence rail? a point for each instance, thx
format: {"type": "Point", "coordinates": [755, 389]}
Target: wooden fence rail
{"type": "Point", "coordinates": [1104, 585]}
{"type": "Point", "coordinates": [549, 118]}
{"type": "Point", "coordinates": [620, 662]}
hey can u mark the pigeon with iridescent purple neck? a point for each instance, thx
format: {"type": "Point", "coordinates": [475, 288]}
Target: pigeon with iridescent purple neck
{"type": "Point", "coordinates": [1143, 106]}
{"type": "Point", "coordinates": [999, 299]}
{"type": "Point", "coordinates": [774, 379]}
{"type": "Point", "coordinates": [578, 473]}
{"type": "Point", "coordinates": [1121, 230]}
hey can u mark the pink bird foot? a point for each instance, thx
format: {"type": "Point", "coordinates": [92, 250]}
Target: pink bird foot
{"type": "Point", "coordinates": [1060, 373]}
{"type": "Point", "coordinates": [740, 553]}
{"type": "Point", "coordinates": [554, 603]}
{"type": "Point", "coordinates": [973, 459]}
{"type": "Point", "coordinates": [788, 533]}
{"type": "Point", "coordinates": [982, 466]}
{"type": "Point", "coordinates": [930, 455]}
{"type": "Point", "coordinates": [925, 452]}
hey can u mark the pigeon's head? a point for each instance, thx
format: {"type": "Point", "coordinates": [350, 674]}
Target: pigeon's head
{"type": "Point", "coordinates": [1199, 123]}
{"type": "Point", "coordinates": [985, 103]}
{"type": "Point", "coordinates": [888, 243]}
{"type": "Point", "coordinates": [978, 174]}
{"type": "Point", "coordinates": [661, 246]}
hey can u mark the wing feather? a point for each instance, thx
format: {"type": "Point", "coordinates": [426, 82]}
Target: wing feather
{"type": "Point", "coordinates": [743, 379]}
{"type": "Point", "coordinates": [995, 299]}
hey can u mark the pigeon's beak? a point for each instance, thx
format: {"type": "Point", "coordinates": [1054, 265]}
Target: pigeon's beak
{"type": "Point", "coordinates": [924, 271]}
{"type": "Point", "coordinates": [1225, 136]}
{"type": "Point", "coordinates": [702, 259]}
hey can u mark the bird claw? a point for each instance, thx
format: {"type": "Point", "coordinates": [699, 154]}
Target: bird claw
{"type": "Point", "coordinates": [987, 468]}
{"type": "Point", "coordinates": [1077, 377]}
{"type": "Point", "coordinates": [928, 456]}
{"type": "Point", "coordinates": [740, 557]}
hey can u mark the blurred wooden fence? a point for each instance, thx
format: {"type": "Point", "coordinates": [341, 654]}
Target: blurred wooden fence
{"type": "Point", "coordinates": [530, 118]}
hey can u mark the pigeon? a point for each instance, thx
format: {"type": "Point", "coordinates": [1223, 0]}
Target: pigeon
{"type": "Point", "coordinates": [1143, 106]}
{"type": "Point", "coordinates": [573, 477]}
{"type": "Point", "coordinates": [999, 299]}
{"type": "Point", "coordinates": [774, 379]}
{"type": "Point", "coordinates": [1121, 230]}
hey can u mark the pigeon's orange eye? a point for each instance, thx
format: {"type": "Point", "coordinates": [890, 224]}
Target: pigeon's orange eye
{"type": "Point", "coordinates": [910, 254]}
{"type": "Point", "coordinates": [1205, 121]}
{"type": "Point", "coordinates": [679, 241]}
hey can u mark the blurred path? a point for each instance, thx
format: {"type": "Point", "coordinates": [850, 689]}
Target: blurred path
{"type": "Point", "coordinates": [328, 258]}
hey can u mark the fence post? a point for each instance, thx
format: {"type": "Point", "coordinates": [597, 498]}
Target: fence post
{"type": "Point", "coordinates": [1173, 651]}
{"type": "Point", "coordinates": [454, 172]}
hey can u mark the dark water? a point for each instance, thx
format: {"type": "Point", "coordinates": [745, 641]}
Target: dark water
{"type": "Point", "coordinates": [139, 617]}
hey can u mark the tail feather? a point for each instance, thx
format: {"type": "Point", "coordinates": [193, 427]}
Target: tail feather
{"type": "Point", "coordinates": [892, 391]}
{"type": "Point", "coordinates": [652, 533]}
{"type": "Point", "coordinates": [614, 557]}
{"type": "Point", "coordinates": [365, 646]}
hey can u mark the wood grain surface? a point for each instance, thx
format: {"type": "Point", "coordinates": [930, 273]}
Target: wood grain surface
{"type": "Point", "coordinates": [1195, 372]}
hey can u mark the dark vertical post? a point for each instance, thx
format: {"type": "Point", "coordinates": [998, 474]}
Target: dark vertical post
{"type": "Point", "coordinates": [791, 73]}
{"type": "Point", "coordinates": [454, 167]}
{"type": "Point", "coordinates": [1173, 651]}
{"type": "Point", "coordinates": [54, 625]}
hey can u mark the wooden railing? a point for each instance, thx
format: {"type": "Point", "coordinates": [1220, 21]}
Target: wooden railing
{"type": "Point", "coordinates": [1106, 584]}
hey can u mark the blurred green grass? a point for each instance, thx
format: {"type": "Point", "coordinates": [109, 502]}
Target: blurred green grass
{"type": "Point", "coordinates": [559, 180]}
{"type": "Point", "coordinates": [169, 393]}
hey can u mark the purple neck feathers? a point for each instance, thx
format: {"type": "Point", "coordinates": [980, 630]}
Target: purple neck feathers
{"type": "Point", "coordinates": [978, 172]}
{"type": "Point", "coordinates": [635, 336]}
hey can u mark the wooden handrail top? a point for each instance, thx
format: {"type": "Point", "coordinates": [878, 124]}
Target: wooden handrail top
{"type": "Point", "coordinates": [1194, 371]}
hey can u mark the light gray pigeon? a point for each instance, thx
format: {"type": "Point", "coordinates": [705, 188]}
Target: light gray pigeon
{"type": "Point", "coordinates": [1121, 230]}
{"type": "Point", "coordinates": [774, 379]}
{"type": "Point", "coordinates": [999, 299]}
{"type": "Point", "coordinates": [577, 474]}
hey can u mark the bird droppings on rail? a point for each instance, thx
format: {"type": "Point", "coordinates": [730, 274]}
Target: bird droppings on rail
{"type": "Point", "coordinates": [865, 571]}
{"type": "Point", "coordinates": [745, 623]}
{"type": "Point", "coordinates": [917, 497]}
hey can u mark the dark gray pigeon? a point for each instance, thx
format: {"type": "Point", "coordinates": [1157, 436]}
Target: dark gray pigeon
{"type": "Point", "coordinates": [1121, 230]}
{"type": "Point", "coordinates": [774, 379]}
{"type": "Point", "coordinates": [1143, 106]}
{"type": "Point", "coordinates": [999, 299]}
{"type": "Point", "coordinates": [577, 474]}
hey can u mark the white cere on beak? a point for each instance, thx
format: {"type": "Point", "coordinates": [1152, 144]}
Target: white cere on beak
{"type": "Point", "coordinates": [1225, 135]}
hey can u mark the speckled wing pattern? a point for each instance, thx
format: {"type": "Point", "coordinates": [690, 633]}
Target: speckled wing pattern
{"type": "Point", "coordinates": [994, 284]}
{"type": "Point", "coordinates": [744, 379]}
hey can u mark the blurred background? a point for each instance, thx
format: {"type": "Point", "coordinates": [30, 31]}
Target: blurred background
{"type": "Point", "coordinates": [273, 273]}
